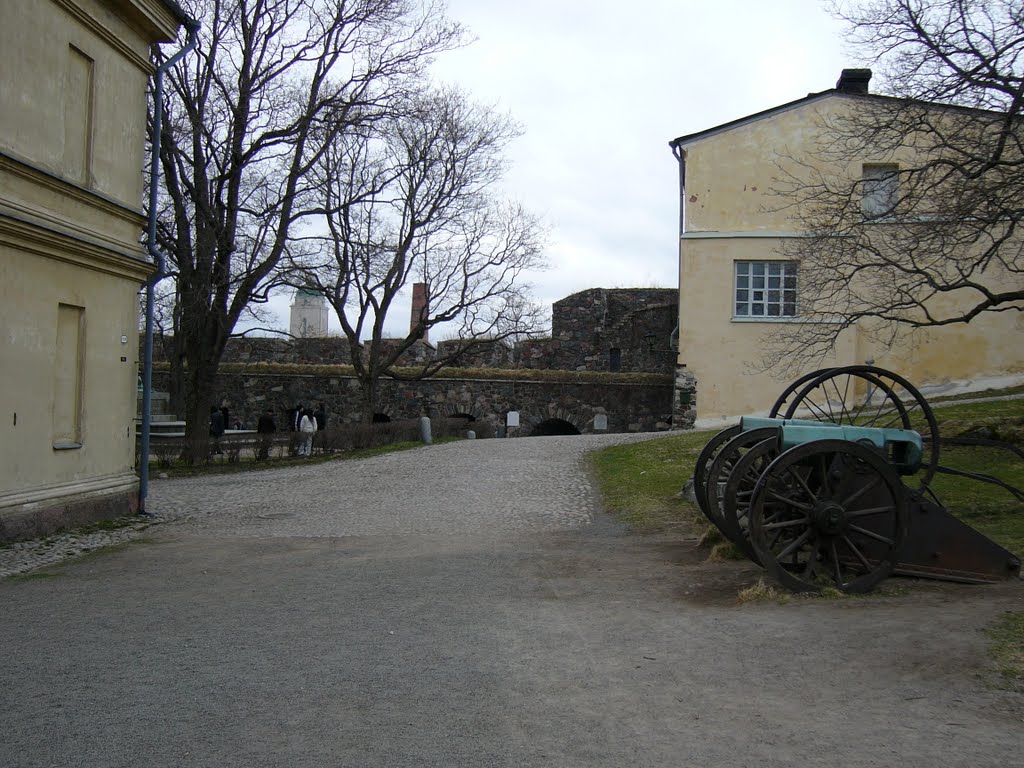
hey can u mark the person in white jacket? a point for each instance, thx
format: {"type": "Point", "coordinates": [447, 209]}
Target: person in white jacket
{"type": "Point", "coordinates": [307, 428]}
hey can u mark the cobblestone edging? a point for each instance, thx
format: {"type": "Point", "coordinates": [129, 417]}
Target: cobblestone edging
{"type": "Point", "coordinates": [24, 556]}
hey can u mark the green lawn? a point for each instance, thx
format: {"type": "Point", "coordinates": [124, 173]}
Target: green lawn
{"type": "Point", "coordinates": [640, 482]}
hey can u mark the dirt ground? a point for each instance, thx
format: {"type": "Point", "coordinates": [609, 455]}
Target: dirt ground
{"type": "Point", "coordinates": [456, 626]}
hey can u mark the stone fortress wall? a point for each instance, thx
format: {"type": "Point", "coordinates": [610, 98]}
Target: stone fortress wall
{"type": "Point", "coordinates": [596, 331]}
{"type": "Point", "coordinates": [591, 330]}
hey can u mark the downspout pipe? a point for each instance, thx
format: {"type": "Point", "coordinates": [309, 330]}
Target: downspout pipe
{"type": "Point", "coordinates": [191, 42]}
{"type": "Point", "coordinates": [680, 156]}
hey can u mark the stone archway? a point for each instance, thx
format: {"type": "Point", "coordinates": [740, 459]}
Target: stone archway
{"type": "Point", "coordinates": [553, 426]}
{"type": "Point", "coordinates": [449, 411]}
{"type": "Point", "coordinates": [554, 421]}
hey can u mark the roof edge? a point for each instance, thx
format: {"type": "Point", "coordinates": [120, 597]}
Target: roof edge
{"type": "Point", "coordinates": [678, 143]}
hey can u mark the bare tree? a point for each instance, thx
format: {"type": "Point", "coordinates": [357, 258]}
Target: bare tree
{"type": "Point", "coordinates": [249, 114]}
{"type": "Point", "coordinates": [412, 202]}
{"type": "Point", "coordinates": [927, 234]}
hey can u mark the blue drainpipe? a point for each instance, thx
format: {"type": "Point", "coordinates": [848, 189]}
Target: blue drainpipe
{"type": "Point", "coordinates": [154, 177]}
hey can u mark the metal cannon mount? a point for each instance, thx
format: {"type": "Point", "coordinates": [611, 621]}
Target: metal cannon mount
{"type": "Point", "coordinates": [833, 489]}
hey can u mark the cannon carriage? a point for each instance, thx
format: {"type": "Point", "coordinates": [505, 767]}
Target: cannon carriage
{"type": "Point", "coordinates": [833, 488]}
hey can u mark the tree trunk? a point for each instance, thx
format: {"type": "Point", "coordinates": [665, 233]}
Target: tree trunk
{"type": "Point", "coordinates": [176, 388]}
{"type": "Point", "coordinates": [368, 384]}
{"type": "Point", "coordinates": [200, 396]}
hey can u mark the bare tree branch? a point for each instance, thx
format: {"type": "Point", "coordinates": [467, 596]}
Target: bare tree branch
{"type": "Point", "coordinates": [411, 201]}
{"type": "Point", "coordinates": [945, 247]}
{"type": "Point", "coordinates": [271, 86]}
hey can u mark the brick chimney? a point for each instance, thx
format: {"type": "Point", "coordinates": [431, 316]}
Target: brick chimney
{"type": "Point", "coordinates": [854, 81]}
{"type": "Point", "coordinates": [420, 300]}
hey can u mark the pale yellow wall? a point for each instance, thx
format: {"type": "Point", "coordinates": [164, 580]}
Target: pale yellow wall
{"type": "Point", "coordinates": [70, 223]}
{"type": "Point", "coordinates": [36, 37]}
{"type": "Point", "coordinates": [729, 175]}
{"type": "Point", "coordinates": [724, 353]}
{"type": "Point", "coordinates": [31, 288]}
{"type": "Point", "coordinates": [728, 178]}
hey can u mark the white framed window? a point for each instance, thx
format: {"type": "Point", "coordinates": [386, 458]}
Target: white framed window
{"type": "Point", "coordinates": [765, 289]}
{"type": "Point", "coordinates": [881, 189]}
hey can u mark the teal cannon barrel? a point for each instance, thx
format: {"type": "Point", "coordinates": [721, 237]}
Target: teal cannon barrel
{"type": "Point", "coordinates": [902, 447]}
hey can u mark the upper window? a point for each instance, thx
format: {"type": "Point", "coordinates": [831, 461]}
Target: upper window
{"type": "Point", "coordinates": [881, 189]}
{"type": "Point", "coordinates": [765, 289]}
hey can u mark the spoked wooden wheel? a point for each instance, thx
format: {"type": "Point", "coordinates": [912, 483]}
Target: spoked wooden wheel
{"type": "Point", "coordinates": [865, 396]}
{"type": "Point", "coordinates": [739, 490]}
{"type": "Point", "coordinates": [829, 513]}
{"type": "Point", "coordinates": [721, 470]}
{"type": "Point", "coordinates": [790, 392]}
{"type": "Point", "coordinates": [700, 472]}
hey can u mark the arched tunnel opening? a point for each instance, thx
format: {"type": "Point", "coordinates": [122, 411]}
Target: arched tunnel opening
{"type": "Point", "coordinates": [550, 427]}
{"type": "Point", "coordinates": [381, 418]}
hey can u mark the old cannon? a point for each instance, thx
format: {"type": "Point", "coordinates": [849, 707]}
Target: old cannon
{"type": "Point", "coordinates": [832, 489]}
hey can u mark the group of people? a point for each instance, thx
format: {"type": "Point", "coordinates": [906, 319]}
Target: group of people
{"type": "Point", "coordinates": [305, 421]}
{"type": "Point", "coordinates": [308, 422]}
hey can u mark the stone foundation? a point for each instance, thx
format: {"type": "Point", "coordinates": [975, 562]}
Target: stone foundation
{"type": "Point", "coordinates": [684, 399]}
{"type": "Point", "coordinates": [36, 518]}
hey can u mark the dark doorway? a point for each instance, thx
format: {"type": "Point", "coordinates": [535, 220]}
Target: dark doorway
{"type": "Point", "coordinates": [381, 418]}
{"type": "Point", "coordinates": [614, 359]}
{"type": "Point", "coordinates": [467, 416]}
{"type": "Point", "coordinates": [550, 427]}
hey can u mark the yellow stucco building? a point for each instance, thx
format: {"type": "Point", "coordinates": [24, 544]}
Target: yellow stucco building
{"type": "Point", "coordinates": [72, 138]}
{"type": "Point", "coordinates": [733, 235]}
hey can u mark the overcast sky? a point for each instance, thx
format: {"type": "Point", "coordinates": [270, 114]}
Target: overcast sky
{"type": "Point", "coordinates": [600, 87]}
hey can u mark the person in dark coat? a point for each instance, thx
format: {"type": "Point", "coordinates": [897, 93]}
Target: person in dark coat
{"type": "Point", "coordinates": [320, 414]}
{"type": "Point", "coordinates": [265, 428]}
{"type": "Point", "coordinates": [216, 429]}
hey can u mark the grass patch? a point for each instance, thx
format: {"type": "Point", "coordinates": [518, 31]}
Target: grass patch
{"type": "Point", "coordinates": [1017, 390]}
{"type": "Point", "coordinates": [725, 550]}
{"type": "Point", "coordinates": [710, 537]}
{"type": "Point", "coordinates": [990, 509]}
{"type": "Point", "coordinates": [640, 483]}
{"type": "Point", "coordinates": [763, 592]}
{"type": "Point", "coordinates": [485, 374]}
{"type": "Point", "coordinates": [1006, 647]}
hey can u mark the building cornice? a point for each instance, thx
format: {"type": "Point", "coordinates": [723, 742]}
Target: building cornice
{"type": "Point", "coordinates": [108, 36]}
{"type": "Point", "coordinates": [741, 234]}
{"type": "Point", "coordinates": [158, 19]}
{"type": "Point", "coordinates": [50, 241]}
{"type": "Point", "coordinates": [17, 167]}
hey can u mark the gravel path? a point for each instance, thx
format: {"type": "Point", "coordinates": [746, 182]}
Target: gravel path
{"type": "Point", "coordinates": [468, 605]}
{"type": "Point", "coordinates": [468, 489]}
{"type": "Point", "coordinates": [525, 484]}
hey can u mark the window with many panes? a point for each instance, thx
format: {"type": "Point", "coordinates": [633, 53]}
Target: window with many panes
{"type": "Point", "coordinates": [765, 289]}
